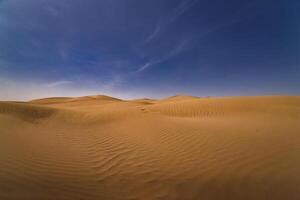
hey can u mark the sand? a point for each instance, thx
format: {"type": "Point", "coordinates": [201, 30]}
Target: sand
{"type": "Point", "coordinates": [182, 147]}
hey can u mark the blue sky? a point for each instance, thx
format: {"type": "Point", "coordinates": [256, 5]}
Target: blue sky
{"type": "Point", "coordinates": [141, 48]}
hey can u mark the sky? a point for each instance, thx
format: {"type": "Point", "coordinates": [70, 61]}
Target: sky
{"type": "Point", "coordinates": [141, 48]}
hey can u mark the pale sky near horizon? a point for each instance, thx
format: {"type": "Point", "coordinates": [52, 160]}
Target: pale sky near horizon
{"type": "Point", "coordinates": [141, 48]}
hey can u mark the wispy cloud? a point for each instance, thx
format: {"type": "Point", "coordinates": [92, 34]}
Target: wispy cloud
{"type": "Point", "coordinates": [58, 83]}
{"type": "Point", "coordinates": [113, 83]}
{"type": "Point", "coordinates": [186, 43]}
{"type": "Point", "coordinates": [183, 7]}
{"type": "Point", "coordinates": [154, 33]}
{"type": "Point", "coordinates": [52, 11]}
{"type": "Point", "coordinates": [147, 65]}
{"type": "Point", "coordinates": [179, 48]}
{"type": "Point", "coordinates": [163, 22]}
{"type": "Point", "coordinates": [218, 27]}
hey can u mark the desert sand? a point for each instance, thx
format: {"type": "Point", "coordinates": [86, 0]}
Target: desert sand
{"type": "Point", "coordinates": [182, 147]}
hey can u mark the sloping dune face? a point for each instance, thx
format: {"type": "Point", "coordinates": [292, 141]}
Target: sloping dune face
{"type": "Point", "coordinates": [177, 148]}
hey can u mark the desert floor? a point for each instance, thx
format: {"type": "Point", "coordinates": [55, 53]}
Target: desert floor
{"type": "Point", "coordinates": [182, 147]}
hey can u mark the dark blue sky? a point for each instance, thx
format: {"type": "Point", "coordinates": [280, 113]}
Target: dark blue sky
{"type": "Point", "coordinates": [142, 48]}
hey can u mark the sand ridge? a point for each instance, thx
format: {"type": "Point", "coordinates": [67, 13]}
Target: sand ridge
{"type": "Point", "coordinates": [182, 147]}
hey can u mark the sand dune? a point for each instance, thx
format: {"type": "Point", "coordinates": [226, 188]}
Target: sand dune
{"type": "Point", "coordinates": [182, 147]}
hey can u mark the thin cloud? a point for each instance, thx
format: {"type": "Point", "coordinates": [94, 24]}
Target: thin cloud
{"type": "Point", "coordinates": [58, 83]}
{"type": "Point", "coordinates": [175, 14]}
{"type": "Point", "coordinates": [219, 27]}
{"type": "Point", "coordinates": [154, 33]}
{"type": "Point", "coordinates": [52, 11]}
{"type": "Point", "coordinates": [113, 83]}
{"type": "Point", "coordinates": [146, 66]}
{"type": "Point", "coordinates": [182, 46]}
{"type": "Point", "coordinates": [182, 8]}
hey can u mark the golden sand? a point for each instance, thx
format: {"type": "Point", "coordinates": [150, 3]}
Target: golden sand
{"type": "Point", "coordinates": [183, 148]}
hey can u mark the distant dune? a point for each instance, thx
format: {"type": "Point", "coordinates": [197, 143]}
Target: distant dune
{"type": "Point", "coordinates": [181, 148]}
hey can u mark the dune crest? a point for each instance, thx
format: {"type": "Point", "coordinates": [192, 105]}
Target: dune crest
{"type": "Point", "coordinates": [182, 147]}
